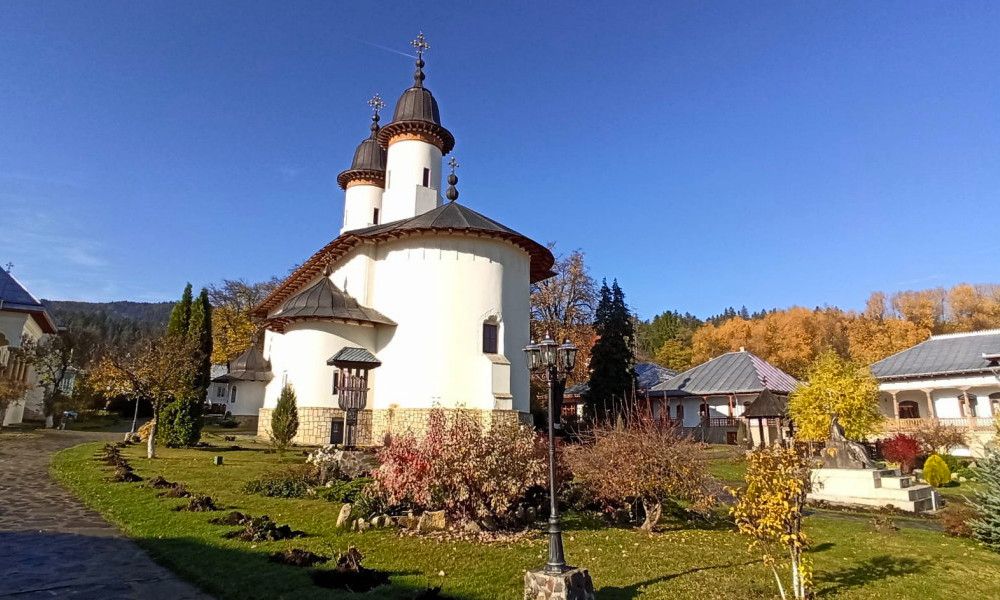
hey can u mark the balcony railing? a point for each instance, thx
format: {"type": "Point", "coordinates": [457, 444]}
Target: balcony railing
{"type": "Point", "coordinates": [968, 423]}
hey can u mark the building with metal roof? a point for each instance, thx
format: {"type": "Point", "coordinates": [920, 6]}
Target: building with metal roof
{"type": "Point", "coordinates": [951, 379]}
{"type": "Point", "coordinates": [716, 398]}
{"type": "Point", "coordinates": [22, 316]}
{"type": "Point", "coordinates": [647, 375]}
{"type": "Point", "coordinates": [421, 302]}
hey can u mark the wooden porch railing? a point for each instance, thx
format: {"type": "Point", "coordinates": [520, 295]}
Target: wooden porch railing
{"type": "Point", "coordinates": [969, 423]}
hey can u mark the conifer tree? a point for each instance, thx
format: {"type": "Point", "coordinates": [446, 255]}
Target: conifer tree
{"type": "Point", "coordinates": [986, 527]}
{"type": "Point", "coordinates": [612, 376]}
{"type": "Point", "coordinates": [181, 420]}
{"type": "Point", "coordinates": [284, 419]}
{"type": "Point", "coordinates": [180, 316]}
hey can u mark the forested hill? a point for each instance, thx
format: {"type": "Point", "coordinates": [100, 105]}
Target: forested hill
{"type": "Point", "coordinates": [115, 323]}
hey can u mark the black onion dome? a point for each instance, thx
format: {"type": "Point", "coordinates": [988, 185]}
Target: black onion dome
{"type": "Point", "coordinates": [417, 112]}
{"type": "Point", "coordinates": [250, 366]}
{"type": "Point", "coordinates": [368, 163]}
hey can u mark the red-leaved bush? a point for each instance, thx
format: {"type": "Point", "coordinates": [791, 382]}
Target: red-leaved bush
{"type": "Point", "coordinates": [902, 449]}
{"type": "Point", "coordinates": [470, 472]}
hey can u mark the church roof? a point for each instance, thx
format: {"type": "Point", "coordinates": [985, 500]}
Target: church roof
{"type": "Point", "coordinates": [767, 404]}
{"type": "Point", "coordinates": [451, 218]}
{"type": "Point", "coordinates": [249, 366]}
{"type": "Point", "coordinates": [325, 301]}
{"type": "Point", "coordinates": [943, 355]}
{"type": "Point", "coordinates": [731, 373]}
{"type": "Point", "coordinates": [369, 158]}
{"type": "Point", "coordinates": [15, 297]}
{"type": "Point", "coordinates": [647, 375]}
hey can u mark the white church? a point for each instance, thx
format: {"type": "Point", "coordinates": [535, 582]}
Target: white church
{"type": "Point", "coordinates": [419, 303]}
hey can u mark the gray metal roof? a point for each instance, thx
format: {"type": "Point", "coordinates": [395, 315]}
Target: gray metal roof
{"type": "Point", "coordinates": [324, 300]}
{"type": "Point", "coordinates": [369, 160]}
{"type": "Point", "coordinates": [452, 216]}
{"type": "Point", "coordinates": [250, 366]}
{"type": "Point", "coordinates": [15, 297]}
{"type": "Point", "coordinates": [647, 375]}
{"type": "Point", "coordinates": [358, 356]}
{"type": "Point", "coordinates": [949, 354]}
{"type": "Point", "coordinates": [731, 373]}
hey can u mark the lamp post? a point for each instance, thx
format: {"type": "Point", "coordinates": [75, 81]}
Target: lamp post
{"type": "Point", "coordinates": [555, 361]}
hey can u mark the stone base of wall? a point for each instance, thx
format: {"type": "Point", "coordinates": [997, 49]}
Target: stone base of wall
{"type": "Point", "coordinates": [247, 421]}
{"type": "Point", "coordinates": [374, 426]}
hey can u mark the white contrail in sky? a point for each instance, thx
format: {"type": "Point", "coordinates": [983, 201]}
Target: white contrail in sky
{"type": "Point", "coordinates": [386, 48]}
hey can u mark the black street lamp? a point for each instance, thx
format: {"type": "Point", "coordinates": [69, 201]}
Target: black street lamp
{"type": "Point", "coordinates": [556, 361]}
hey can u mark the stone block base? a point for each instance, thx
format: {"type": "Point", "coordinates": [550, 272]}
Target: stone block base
{"type": "Point", "coordinates": [316, 423]}
{"type": "Point", "coordinates": [872, 487]}
{"type": "Point", "coordinates": [574, 584]}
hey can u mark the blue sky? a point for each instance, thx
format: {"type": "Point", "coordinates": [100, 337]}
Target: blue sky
{"type": "Point", "coordinates": [705, 154]}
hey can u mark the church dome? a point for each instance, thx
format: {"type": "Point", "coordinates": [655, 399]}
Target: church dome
{"type": "Point", "coordinates": [417, 113]}
{"type": "Point", "coordinates": [369, 160]}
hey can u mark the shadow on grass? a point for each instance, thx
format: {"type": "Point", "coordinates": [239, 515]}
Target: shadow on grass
{"type": "Point", "coordinates": [633, 591]}
{"type": "Point", "coordinates": [822, 547]}
{"type": "Point", "coordinates": [66, 564]}
{"type": "Point", "coordinates": [871, 570]}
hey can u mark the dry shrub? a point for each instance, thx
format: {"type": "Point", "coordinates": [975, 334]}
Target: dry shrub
{"type": "Point", "coordinates": [639, 460]}
{"type": "Point", "coordinates": [459, 467]}
{"type": "Point", "coordinates": [955, 519]}
{"type": "Point", "coordinates": [939, 438]}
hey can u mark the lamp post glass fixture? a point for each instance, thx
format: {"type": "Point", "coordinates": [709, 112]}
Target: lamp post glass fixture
{"type": "Point", "coordinates": [556, 361]}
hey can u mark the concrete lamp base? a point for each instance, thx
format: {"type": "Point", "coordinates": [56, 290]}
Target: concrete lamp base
{"type": "Point", "coordinates": [573, 584]}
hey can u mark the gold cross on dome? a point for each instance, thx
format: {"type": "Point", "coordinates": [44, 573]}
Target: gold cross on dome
{"type": "Point", "coordinates": [420, 44]}
{"type": "Point", "coordinates": [376, 103]}
{"type": "Point", "coordinates": [453, 163]}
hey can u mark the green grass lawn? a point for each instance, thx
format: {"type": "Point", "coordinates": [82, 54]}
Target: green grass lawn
{"type": "Point", "coordinates": [851, 559]}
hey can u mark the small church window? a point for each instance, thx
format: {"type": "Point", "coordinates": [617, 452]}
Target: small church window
{"type": "Point", "coordinates": [375, 217]}
{"type": "Point", "coordinates": [680, 412]}
{"type": "Point", "coordinates": [219, 391]}
{"type": "Point", "coordinates": [336, 381]}
{"type": "Point", "coordinates": [232, 394]}
{"type": "Point", "coordinates": [491, 335]}
{"type": "Point", "coordinates": [427, 177]}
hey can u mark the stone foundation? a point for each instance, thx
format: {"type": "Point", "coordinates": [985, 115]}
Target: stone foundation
{"type": "Point", "coordinates": [574, 584]}
{"type": "Point", "coordinates": [316, 423]}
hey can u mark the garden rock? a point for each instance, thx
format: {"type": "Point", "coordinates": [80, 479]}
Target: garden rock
{"type": "Point", "coordinates": [344, 516]}
{"type": "Point", "coordinates": [432, 521]}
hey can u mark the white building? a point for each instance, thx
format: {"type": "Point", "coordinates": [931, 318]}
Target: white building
{"type": "Point", "coordinates": [22, 316]}
{"type": "Point", "coordinates": [713, 399]}
{"type": "Point", "coordinates": [239, 385]}
{"type": "Point", "coordinates": [422, 302]}
{"type": "Point", "coordinates": [951, 379]}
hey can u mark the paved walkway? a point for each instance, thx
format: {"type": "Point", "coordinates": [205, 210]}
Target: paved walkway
{"type": "Point", "coordinates": [51, 546]}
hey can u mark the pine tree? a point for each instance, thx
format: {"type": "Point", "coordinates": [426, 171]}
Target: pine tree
{"type": "Point", "coordinates": [986, 527]}
{"type": "Point", "coordinates": [180, 316]}
{"type": "Point", "coordinates": [612, 376]}
{"type": "Point", "coordinates": [180, 420]}
{"type": "Point", "coordinates": [284, 419]}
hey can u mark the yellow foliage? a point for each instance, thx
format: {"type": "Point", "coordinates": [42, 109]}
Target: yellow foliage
{"type": "Point", "coordinates": [232, 333]}
{"type": "Point", "coordinates": [835, 386]}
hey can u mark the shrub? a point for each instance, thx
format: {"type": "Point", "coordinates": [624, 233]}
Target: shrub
{"type": "Point", "coordinates": [952, 461]}
{"type": "Point", "coordinates": [902, 449]}
{"type": "Point", "coordinates": [939, 438]}
{"type": "Point", "coordinates": [287, 483]}
{"type": "Point", "coordinates": [180, 423]}
{"type": "Point", "coordinates": [343, 491]}
{"type": "Point", "coordinates": [641, 461]}
{"type": "Point", "coordinates": [936, 472]}
{"type": "Point", "coordinates": [284, 419]}
{"type": "Point", "coordinates": [460, 468]}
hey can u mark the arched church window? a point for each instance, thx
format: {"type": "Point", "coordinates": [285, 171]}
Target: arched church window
{"type": "Point", "coordinates": [232, 394]}
{"type": "Point", "coordinates": [427, 177]}
{"type": "Point", "coordinates": [491, 337]}
{"type": "Point", "coordinates": [973, 402]}
{"type": "Point", "coordinates": [375, 216]}
{"type": "Point", "coordinates": [908, 409]}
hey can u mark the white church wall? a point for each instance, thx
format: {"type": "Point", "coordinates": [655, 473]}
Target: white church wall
{"type": "Point", "coordinates": [249, 398]}
{"type": "Point", "coordinates": [405, 194]}
{"type": "Point", "coordinates": [360, 202]}
{"type": "Point", "coordinates": [441, 289]}
{"type": "Point", "coordinates": [299, 357]}
{"type": "Point", "coordinates": [353, 275]}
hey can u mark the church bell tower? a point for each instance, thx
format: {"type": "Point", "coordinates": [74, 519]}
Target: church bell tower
{"type": "Point", "coordinates": [364, 182]}
{"type": "Point", "coordinates": [414, 143]}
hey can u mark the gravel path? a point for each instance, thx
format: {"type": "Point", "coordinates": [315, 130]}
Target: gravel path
{"type": "Point", "coordinates": [51, 546]}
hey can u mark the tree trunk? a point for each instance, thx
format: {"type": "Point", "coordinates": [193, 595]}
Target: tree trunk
{"type": "Point", "coordinates": [151, 441]}
{"type": "Point", "coordinates": [653, 510]}
{"type": "Point", "coordinates": [781, 588]}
